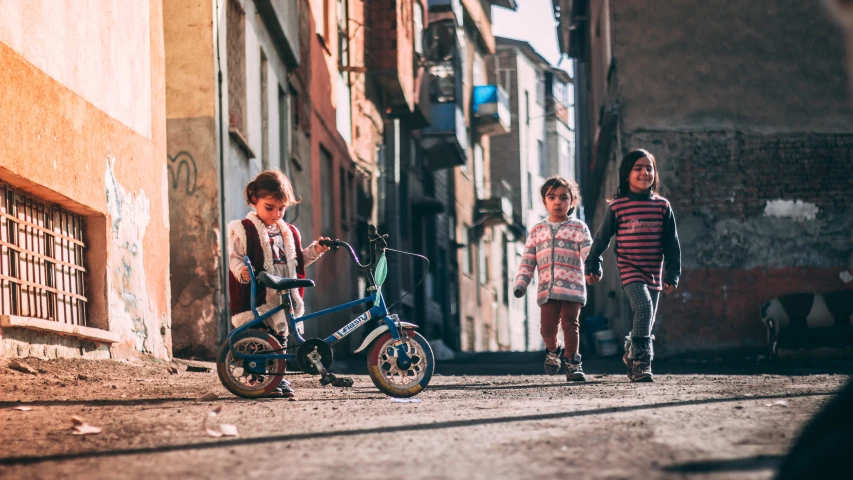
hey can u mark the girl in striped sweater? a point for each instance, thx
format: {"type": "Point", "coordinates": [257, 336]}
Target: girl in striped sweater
{"type": "Point", "coordinates": [646, 240]}
{"type": "Point", "coordinates": [556, 248]}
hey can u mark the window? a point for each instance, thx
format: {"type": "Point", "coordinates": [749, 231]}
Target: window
{"type": "Point", "coordinates": [529, 190]}
{"type": "Point", "coordinates": [284, 132]}
{"type": "Point", "coordinates": [540, 88]}
{"type": "Point", "coordinates": [543, 158]}
{"type": "Point", "coordinates": [469, 333]}
{"type": "Point", "coordinates": [467, 268]}
{"type": "Point", "coordinates": [343, 194]}
{"type": "Point", "coordinates": [350, 193]}
{"type": "Point", "coordinates": [478, 69]}
{"type": "Point", "coordinates": [343, 107]}
{"type": "Point", "coordinates": [294, 106]}
{"type": "Point", "coordinates": [235, 39]}
{"type": "Point", "coordinates": [527, 105]}
{"type": "Point", "coordinates": [405, 203]}
{"type": "Point", "coordinates": [419, 28]}
{"type": "Point", "coordinates": [479, 171]}
{"type": "Point", "coordinates": [483, 261]}
{"type": "Point", "coordinates": [328, 186]}
{"type": "Point", "coordinates": [42, 253]}
{"type": "Point", "coordinates": [505, 281]}
{"type": "Point", "coordinates": [265, 113]}
{"type": "Point", "coordinates": [322, 21]}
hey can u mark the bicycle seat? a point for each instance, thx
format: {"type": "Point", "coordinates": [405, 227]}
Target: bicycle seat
{"type": "Point", "coordinates": [280, 283]}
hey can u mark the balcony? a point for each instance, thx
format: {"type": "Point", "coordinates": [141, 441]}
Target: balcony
{"type": "Point", "coordinates": [491, 110]}
{"type": "Point", "coordinates": [445, 140]}
{"type": "Point", "coordinates": [390, 41]}
{"type": "Point", "coordinates": [494, 210]}
{"type": "Point", "coordinates": [419, 116]}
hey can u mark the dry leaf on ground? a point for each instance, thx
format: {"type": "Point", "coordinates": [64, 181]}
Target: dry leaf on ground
{"type": "Point", "coordinates": [80, 427]}
{"type": "Point", "coordinates": [22, 367]}
{"type": "Point", "coordinates": [207, 397]}
{"type": "Point", "coordinates": [224, 430]}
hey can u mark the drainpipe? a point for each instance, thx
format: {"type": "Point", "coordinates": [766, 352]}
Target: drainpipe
{"type": "Point", "coordinates": [224, 320]}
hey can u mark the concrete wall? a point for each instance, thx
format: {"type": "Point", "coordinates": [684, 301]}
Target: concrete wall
{"type": "Point", "coordinates": [193, 163]}
{"type": "Point", "coordinates": [84, 127]}
{"type": "Point", "coordinates": [207, 192]}
{"type": "Point", "coordinates": [754, 66]}
{"type": "Point", "coordinates": [748, 112]}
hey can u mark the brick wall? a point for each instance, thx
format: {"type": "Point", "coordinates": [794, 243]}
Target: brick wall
{"type": "Point", "coordinates": [736, 254]}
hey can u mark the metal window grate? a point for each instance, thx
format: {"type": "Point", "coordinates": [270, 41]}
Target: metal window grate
{"type": "Point", "coordinates": [41, 260]}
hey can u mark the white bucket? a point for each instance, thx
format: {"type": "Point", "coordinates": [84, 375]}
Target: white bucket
{"type": "Point", "coordinates": [605, 343]}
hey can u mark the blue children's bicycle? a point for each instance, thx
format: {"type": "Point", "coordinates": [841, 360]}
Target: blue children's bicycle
{"type": "Point", "coordinates": [251, 363]}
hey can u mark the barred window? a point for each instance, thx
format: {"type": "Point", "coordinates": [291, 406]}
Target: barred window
{"type": "Point", "coordinates": [41, 260]}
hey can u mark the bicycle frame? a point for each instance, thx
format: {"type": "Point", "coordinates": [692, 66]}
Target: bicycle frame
{"type": "Point", "coordinates": [379, 311]}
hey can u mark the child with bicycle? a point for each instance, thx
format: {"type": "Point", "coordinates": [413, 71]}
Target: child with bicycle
{"type": "Point", "coordinates": [272, 246]}
{"type": "Point", "coordinates": [556, 248]}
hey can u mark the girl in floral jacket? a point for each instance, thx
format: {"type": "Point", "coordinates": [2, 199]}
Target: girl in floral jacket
{"type": "Point", "coordinates": [556, 248]}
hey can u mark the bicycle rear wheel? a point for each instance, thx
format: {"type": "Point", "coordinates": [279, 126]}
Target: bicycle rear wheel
{"type": "Point", "coordinates": [392, 380]}
{"type": "Point", "coordinates": [241, 382]}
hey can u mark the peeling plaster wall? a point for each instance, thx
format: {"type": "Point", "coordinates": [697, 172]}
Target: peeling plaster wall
{"type": "Point", "coordinates": [130, 310]}
{"type": "Point", "coordinates": [72, 141]}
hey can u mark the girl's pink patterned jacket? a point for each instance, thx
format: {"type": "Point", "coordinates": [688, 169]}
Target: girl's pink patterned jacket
{"type": "Point", "coordinates": [559, 259]}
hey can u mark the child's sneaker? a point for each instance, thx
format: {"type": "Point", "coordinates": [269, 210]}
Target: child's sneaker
{"type": "Point", "coordinates": [641, 371]}
{"type": "Point", "coordinates": [552, 361]}
{"type": "Point", "coordinates": [284, 390]}
{"type": "Point", "coordinates": [574, 369]}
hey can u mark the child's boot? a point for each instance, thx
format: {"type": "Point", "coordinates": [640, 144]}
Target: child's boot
{"type": "Point", "coordinates": [552, 361]}
{"type": "Point", "coordinates": [626, 357]}
{"type": "Point", "coordinates": [574, 369]}
{"type": "Point", "coordinates": [641, 371]}
{"type": "Point", "coordinates": [641, 355]}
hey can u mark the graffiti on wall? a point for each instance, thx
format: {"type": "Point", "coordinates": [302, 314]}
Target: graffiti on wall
{"type": "Point", "coordinates": [183, 162]}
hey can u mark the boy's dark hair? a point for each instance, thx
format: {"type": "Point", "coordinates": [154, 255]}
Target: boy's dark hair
{"type": "Point", "coordinates": [557, 182]}
{"type": "Point", "coordinates": [627, 164]}
{"type": "Point", "coordinates": [271, 183]}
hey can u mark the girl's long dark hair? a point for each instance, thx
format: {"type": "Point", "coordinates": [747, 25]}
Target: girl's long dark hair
{"type": "Point", "coordinates": [627, 165]}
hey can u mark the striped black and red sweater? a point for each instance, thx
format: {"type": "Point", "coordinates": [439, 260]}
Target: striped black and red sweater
{"type": "Point", "coordinates": [646, 240]}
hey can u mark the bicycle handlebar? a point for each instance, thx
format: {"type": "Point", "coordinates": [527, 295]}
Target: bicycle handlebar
{"type": "Point", "coordinates": [376, 241]}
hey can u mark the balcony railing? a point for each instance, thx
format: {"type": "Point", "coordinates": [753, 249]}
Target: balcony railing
{"type": "Point", "coordinates": [446, 140]}
{"type": "Point", "coordinates": [491, 110]}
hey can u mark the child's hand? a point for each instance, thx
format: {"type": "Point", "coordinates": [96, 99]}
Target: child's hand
{"type": "Point", "coordinates": [244, 274]}
{"type": "Point", "coordinates": [321, 248]}
{"type": "Point", "coordinates": [518, 292]}
{"type": "Point", "coordinates": [667, 288]}
{"type": "Point", "coordinates": [592, 278]}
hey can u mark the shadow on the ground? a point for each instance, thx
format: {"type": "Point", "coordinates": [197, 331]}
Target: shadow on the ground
{"type": "Point", "coordinates": [27, 460]}
{"type": "Point", "coordinates": [759, 462]}
{"type": "Point", "coordinates": [537, 386]}
{"type": "Point", "coordinates": [725, 363]}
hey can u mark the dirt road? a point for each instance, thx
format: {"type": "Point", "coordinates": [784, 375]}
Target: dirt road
{"type": "Point", "coordinates": [681, 426]}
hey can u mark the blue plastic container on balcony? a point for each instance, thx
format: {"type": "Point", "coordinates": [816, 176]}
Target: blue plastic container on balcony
{"type": "Point", "coordinates": [491, 110]}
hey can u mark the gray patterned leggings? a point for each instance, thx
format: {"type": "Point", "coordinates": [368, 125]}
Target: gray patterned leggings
{"type": "Point", "coordinates": [644, 304]}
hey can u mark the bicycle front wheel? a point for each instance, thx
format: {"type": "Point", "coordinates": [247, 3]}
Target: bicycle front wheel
{"type": "Point", "coordinates": [392, 380]}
